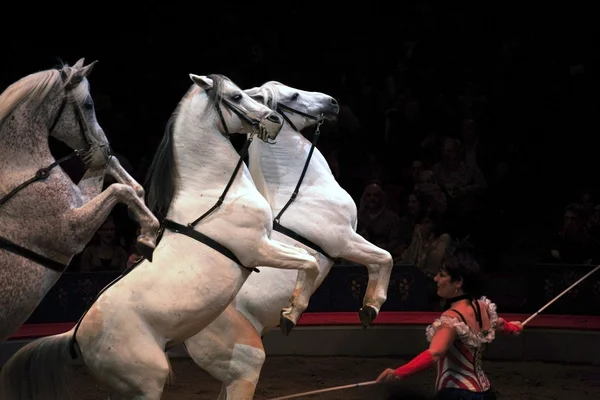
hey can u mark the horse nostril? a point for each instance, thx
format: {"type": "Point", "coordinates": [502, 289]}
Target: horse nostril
{"type": "Point", "coordinates": [334, 101]}
{"type": "Point", "coordinates": [274, 118]}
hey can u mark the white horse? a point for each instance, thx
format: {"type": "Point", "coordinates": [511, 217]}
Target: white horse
{"type": "Point", "coordinates": [322, 219]}
{"type": "Point", "coordinates": [45, 219]}
{"type": "Point", "coordinates": [123, 337]}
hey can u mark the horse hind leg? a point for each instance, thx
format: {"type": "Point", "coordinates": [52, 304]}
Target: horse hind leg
{"type": "Point", "coordinates": [140, 374]}
{"type": "Point", "coordinates": [231, 351]}
{"type": "Point", "coordinates": [379, 263]}
{"type": "Point", "coordinates": [243, 373]}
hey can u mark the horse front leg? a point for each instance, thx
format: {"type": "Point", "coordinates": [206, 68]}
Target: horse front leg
{"type": "Point", "coordinates": [283, 256]}
{"type": "Point", "coordinates": [379, 264]}
{"type": "Point", "coordinates": [91, 183]}
{"type": "Point", "coordinates": [116, 170]}
{"type": "Point", "coordinates": [85, 220]}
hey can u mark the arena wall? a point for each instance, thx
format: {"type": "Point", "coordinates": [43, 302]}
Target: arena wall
{"type": "Point", "coordinates": [548, 338]}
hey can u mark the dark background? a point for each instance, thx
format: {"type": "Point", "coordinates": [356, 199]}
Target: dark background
{"type": "Point", "coordinates": [522, 57]}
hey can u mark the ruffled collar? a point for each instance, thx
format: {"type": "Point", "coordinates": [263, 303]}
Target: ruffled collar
{"type": "Point", "coordinates": [464, 332]}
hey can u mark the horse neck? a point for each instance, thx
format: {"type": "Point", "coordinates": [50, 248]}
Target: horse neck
{"type": "Point", "coordinates": [276, 168]}
{"type": "Point", "coordinates": [24, 141]}
{"type": "Point", "coordinates": [205, 158]}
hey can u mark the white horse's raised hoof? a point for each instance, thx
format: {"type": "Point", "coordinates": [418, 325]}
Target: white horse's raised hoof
{"type": "Point", "coordinates": [285, 323]}
{"type": "Point", "coordinates": [146, 246]}
{"type": "Point", "coordinates": [367, 315]}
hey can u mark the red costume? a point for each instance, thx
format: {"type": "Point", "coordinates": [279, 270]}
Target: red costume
{"type": "Point", "coordinates": [461, 366]}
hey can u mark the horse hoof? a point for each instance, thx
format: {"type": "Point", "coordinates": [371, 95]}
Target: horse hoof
{"type": "Point", "coordinates": [146, 248]}
{"type": "Point", "coordinates": [367, 315]}
{"type": "Point", "coordinates": [286, 325]}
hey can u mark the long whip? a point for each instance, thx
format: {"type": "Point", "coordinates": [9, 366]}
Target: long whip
{"type": "Point", "coordinates": [331, 389]}
{"type": "Point", "coordinates": [369, 383]}
{"type": "Point", "coordinates": [560, 295]}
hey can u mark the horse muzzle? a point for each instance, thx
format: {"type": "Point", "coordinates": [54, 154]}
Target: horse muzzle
{"type": "Point", "coordinates": [97, 156]}
{"type": "Point", "coordinates": [270, 127]}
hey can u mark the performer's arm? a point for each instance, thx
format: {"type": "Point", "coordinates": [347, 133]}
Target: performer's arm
{"type": "Point", "coordinates": [441, 342]}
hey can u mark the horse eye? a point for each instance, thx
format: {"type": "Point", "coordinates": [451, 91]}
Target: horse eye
{"type": "Point", "coordinates": [237, 97]}
{"type": "Point", "coordinates": [295, 96]}
{"type": "Point", "coordinates": [89, 106]}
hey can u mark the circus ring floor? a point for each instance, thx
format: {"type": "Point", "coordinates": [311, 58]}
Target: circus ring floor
{"type": "Point", "coordinates": [556, 358]}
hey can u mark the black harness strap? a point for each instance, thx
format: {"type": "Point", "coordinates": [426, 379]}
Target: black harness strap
{"type": "Point", "coordinates": [281, 108]}
{"type": "Point", "coordinates": [290, 233]}
{"type": "Point", "coordinates": [23, 252]}
{"type": "Point", "coordinates": [42, 174]}
{"type": "Point", "coordinates": [243, 154]}
{"type": "Point", "coordinates": [189, 229]}
{"type": "Point", "coordinates": [200, 237]}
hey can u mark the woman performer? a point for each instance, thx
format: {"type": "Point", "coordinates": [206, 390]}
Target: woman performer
{"type": "Point", "coordinates": [458, 338]}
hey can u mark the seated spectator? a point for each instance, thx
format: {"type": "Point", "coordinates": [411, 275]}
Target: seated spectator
{"type": "Point", "coordinates": [427, 184]}
{"type": "Point", "coordinates": [459, 179]}
{"type": "Point", "coordinates": [428, 246]}
{"type": "Point", "coordinates": [419, 205]}
{"type": "Point", "coordinates": [573, 244]}
{"type": "Point", "coordinates": [376, 222]}
{"type": "Point", "coordinates": [104, 254]}
{"type": "Point", "coordinates": [427, 251]}
{"type": "Point", "coordinates": [593, 223]}
{"type": "Point", "coordinates": [464, 186]}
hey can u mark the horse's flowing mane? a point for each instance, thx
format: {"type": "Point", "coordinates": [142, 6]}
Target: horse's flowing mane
{"type": "Point", "coordinates": [33, 89]}
{"type": "Point", "coordinates": [162, 177]}
{"type": "Point", "coordinates": [271, 93]}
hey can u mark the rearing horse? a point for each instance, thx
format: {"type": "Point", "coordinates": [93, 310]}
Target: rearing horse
{"type": "Point", "coordinates": [318, 216]}
{"type": "Point", "coordinates": [45, 219]}
{"type": "Point", "coordinates": [198, 268]}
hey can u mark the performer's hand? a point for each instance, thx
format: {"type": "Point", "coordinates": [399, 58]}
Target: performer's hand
{"type": "Point", "coordinates": [387, 375]}
{"type": "Point", "coordinates": [519, 325]}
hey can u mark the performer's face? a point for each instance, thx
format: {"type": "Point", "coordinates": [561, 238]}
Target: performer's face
{"type": "Point", "coordinates": [446, 287]}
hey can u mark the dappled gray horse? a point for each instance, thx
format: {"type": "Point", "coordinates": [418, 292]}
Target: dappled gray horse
{"type": "Point", "coordinates": [45, 219]}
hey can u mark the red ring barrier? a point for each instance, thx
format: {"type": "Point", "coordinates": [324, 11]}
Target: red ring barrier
{"type": "Point", "coordinates": [578, 322]}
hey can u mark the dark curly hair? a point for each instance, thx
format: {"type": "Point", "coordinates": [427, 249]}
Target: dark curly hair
{"type": "Point", "coordinates": [461, 263]}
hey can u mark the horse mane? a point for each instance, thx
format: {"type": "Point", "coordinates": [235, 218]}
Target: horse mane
{"type": "Point", "coordinates": [272, 92]}
{"type": "Point", "coordinates": [162, 176]}
{"type": "Point", "coordinates": [32, 90]}
{"type": "Point", "coordinates": [162, 179]}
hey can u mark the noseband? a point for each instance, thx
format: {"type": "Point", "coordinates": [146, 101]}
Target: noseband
{"type": "Point", "coordinates": [282, 108]}
{"type": "Point", "coordinates": [253, 122]}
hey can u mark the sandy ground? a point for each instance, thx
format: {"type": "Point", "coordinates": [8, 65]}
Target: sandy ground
{"type": "Point", "coordinates": [288, 375]}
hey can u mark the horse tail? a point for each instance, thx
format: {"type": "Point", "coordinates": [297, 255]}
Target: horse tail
{"type": "Point", "coordinates": [39, 370]}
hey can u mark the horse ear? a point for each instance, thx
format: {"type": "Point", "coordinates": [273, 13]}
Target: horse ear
{"type": "Point", "coordinates": [203, 81]}
{"type": "Point", "coordinates": [257, 94]}
{"type": "Point", "coordinates": [79, 63]}
{"type": "Point", "coordinates": [85, 71]}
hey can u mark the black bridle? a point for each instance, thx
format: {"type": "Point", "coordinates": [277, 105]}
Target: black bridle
{"type": "Point", "coordinates": [188, 229]}
{"type": "Point", "coordinates": [84, 130]}
{"type": "Point", "coordinates": [255, 123]}
{"type": "Point", "coordinates": [282, 108]}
